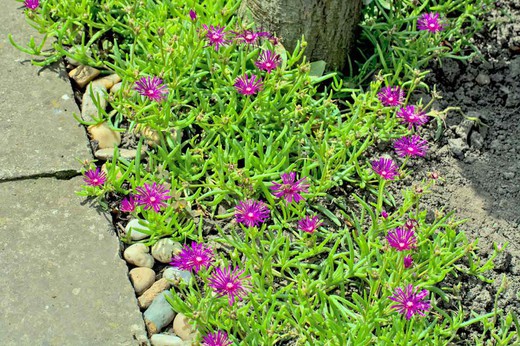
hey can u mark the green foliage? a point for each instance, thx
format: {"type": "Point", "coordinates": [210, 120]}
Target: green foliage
{"type": "Point", "coordinates": [214, 147]}
{"type": "Point", "coordinates": [390, 41]}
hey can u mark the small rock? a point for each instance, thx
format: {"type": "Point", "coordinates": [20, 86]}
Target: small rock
{"type": "Point", "coordinates": [134, 226]}
{"type": "Point", "coordinates": [82, 75]}
{"type": "Point", "coordinates": [509, 175]}
{"type": "Point", "coordinates": [463, 129]}
{"type": "Point", "coordinates": [166, 340]}
{"type": "Point", "coordinates": [149, 295]}
{"type": "Point", "coordinates": [137, 255]}
{"type": "Point", "coordinates": [116, 87]}
{"type": "Point", "coordinates": [164, 249]}
{"type": "Point", "coordinates": [108, 154]}
{"type": "Point", "coordinates": [89, 110]}
{"type": "Point", "coordinates": [483, 79]}
{"type": "Point", "coordinates": [514, 48]}
{"type": "Point", "coordinates": [476, 140]}
{"type": "Point", "coordinates": [159, 314]}
{"type": "Point", "coordinates": [457, 147]}
{"type": "Point", "coordinates": [142, 278]}
{"type": "Point", "coordinates": [108, 81]}
{"type": "Point", "coordinates": [175, 275]}
{"type": "Point", "coordinates": [104, 135]}
{"type": "Point", "coordinates": [182, 327]}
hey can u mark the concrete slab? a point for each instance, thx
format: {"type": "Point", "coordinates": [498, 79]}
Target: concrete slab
{"type": "Point", "coordinates": [39, 135]}
{"type": "Point", "coordinates": [63, 281]}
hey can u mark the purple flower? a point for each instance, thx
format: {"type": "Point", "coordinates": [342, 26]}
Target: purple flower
{"type": "Point", "coordinates": [407, 261]}
{"type": "Point", "coordinates": [193, 258]}
{"type": "Point", "coordinates": [384, 214]}
{"type": "Point", "coordinates": [411, 224]}
{"type": "Point", "coordinates": [151, 88]}
{"type": "Point", "coordinates": [391, 96]}
{"type": "Point", "coordinates": [32, 4]}
{"type": "Point", "coordinates": [127, 204]}
{"type": "Point", "coordinates": [251, 213]}
{"type": "Point", "coordinates": [193, 15]}
{"type": "Point", "coordinates": [247, 36]}
{"type": "Point", "coordinates": [386, 168]}
{"type": "Point", "coordinates": [429, 22]}
{"type": "Point", "coordinates": [152, 196]}
{"type": "Point", "coordinates": [309, 224]}
{"type": "Point", "coordinates": [412, 115]}
{"type": "Point", "coordinates": [95, 177]}
{"type": "Point", "coordinates": [290, 189]}
{"type": "Point", "coordinates": [410, 146]}
{"type": "Point", "coordinates": [268, 61]}
{"type": "Point", "coordinates": [410, 301]}
{"type": "Point", "coordinates": [216, 36]}
{"type": "Point", "coordinates": [248, 86]}
{"type": "Point", "coordinates": [228, 283]}
{"type": "Point", "coordinates": [216, 339]}
{"type": "Point", "coordinates": [401, 239]}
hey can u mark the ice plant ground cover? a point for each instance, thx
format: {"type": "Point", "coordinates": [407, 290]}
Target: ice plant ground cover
{"type": "Point", "coordinates": [278, 180]}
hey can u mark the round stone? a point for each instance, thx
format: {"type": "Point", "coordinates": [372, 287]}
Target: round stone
{"type": "Point", "coordinates": [182, 327]}
{"type": "Point", "coordinates": [164, 249]}
{"type": "Point", "coordinates": [175, 275]}
{"type": "Point", "coordinates": [138, 255]}
{"type": "Point", "coordinates": [142, 278]}
{"type": "Point", "coordinates": [134, 226]}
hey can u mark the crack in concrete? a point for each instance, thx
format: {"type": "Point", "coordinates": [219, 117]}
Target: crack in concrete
{"type": "Point", "coordinates": [59, 175]}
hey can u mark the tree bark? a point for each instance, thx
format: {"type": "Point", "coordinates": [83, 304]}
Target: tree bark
{"type": "Point", "coordinates": [327, 25]}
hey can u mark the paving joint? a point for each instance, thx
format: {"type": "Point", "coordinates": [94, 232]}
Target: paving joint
{"type": "Point", "coordinates": [59, 175]}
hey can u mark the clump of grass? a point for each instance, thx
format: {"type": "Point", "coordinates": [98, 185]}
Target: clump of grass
{"type": "Point", "coordinates": [251, 160]}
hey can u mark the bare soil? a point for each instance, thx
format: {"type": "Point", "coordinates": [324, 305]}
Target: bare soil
{"type": "Point", "coordinates": [478, 155]}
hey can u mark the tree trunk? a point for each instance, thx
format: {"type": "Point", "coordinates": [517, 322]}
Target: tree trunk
{"type": "Point", "coordinates": [327, 25]}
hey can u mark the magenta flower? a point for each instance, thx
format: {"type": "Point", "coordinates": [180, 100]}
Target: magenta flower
{"type": "Point", "coordinates": [247, 36]}
{"type": "Point", "coordinates": [407, 261]}
{"type": "Point", "coordinates": [248, 86]}
{"type": "Point", "coordinates": [216, 36]}
{"type": "Point", "coordinates": [410, 146]}
{"type": "Point", "coordinates": [391, 96]}
{"type": "Point", "coordinates": [384, 214]}
{"type": "Point", "coordinates": [193, 258]}
{"type": "Point", "coordinates": [429, 22]}
{"type": "Point", "coordinates": [193, 15]}
{"type": "Point", "coordinates": [386, 168]}
{"type": "Point", "coordinates": [411, 224]}
{"type": "Point", "coordinates": [151, 88]}
{"type": "Point", "coordinates": [216, 339]}
{"type": "Point", "coordinates": [32, 4]}
{"type": "Point", "coordinates": [127, 204]}
{"type": "Point", "coordinates": [251, 213]}
{"type": "Point", "coordinates": [401, 239]}
{"type": "Point", "coordinates": [413, 116]}
{"type": "Point", "coordinates": [309, 224]}
{"type": "Point", "coordinates": [268, 61]}
{"type": "Point", "coordinates": [152, 196]}
{"type": "Point", "coordinates": [289, 189]}
{"type": "Point", "coordinates": [410, 301]}
{"type": "Point", "coordinates": [95, 177]}
{"type": "Point", "coordinates": [228, 283]}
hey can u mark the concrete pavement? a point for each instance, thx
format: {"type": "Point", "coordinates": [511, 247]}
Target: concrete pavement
{"type": "Point", "coordinates": [63, 280]}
